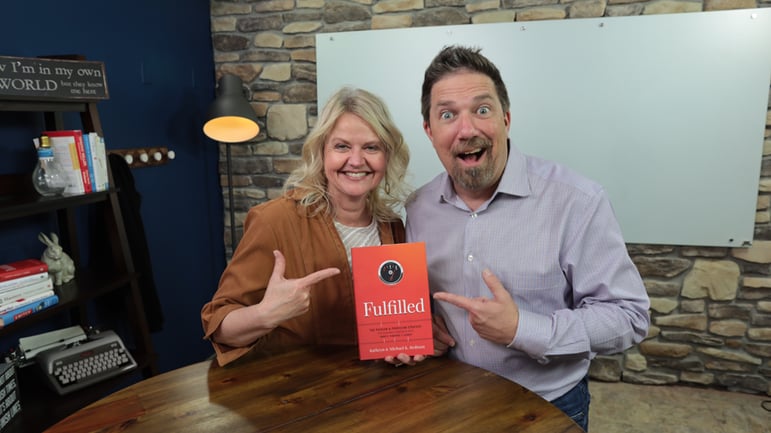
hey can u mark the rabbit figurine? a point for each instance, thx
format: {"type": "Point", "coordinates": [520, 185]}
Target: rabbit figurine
{"type": "Point", "coordinates": [60, 265]}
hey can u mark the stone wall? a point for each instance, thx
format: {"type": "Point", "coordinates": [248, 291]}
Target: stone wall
{"type": "Point", "coordinates": [710, 307]}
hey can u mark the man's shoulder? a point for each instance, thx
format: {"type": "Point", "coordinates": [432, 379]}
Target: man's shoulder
{"type": "Point", "coordinates": [554, 173]}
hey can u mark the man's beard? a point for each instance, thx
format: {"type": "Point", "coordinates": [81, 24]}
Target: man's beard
{"type": "Point", "coordinates": [479, 177]}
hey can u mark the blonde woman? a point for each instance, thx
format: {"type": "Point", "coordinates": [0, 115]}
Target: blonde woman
{"type": "Point", "coordinates": [289, 282]}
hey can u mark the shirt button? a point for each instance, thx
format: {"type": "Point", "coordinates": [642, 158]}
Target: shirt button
{"type": "Point", "coordinates": [472, 342]}
{"type": "Point", "coordinates": [474, 215]}
{"type": "Point", "coordinates": [470, 258]}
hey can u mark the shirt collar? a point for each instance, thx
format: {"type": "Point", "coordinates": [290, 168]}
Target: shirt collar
{"type": "Point", "coordinates": [514, 180]}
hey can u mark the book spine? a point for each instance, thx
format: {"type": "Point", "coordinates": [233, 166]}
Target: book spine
{"type": "Point", "coordinates": [99, 160]}
{"type": "Point", "coordinates": [82, 160]}
{"type": "Point", "coordinates": [21, 282]}
{"type": "Point", "coordinates": [88, 147]}
{"type": "Point", "coordinates": [26, 290]}
{"type": "Point", "coordinates": [14, 315]}
{"type": "Point", "coordinates": [25, 301]}
{"type": "Point", "coordinates": [102, 165]}
{"type": "Point", "coordinates": [22, 268]}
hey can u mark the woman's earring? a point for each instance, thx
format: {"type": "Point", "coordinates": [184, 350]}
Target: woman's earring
{"type": "Point", "coordinates": [387, 188]}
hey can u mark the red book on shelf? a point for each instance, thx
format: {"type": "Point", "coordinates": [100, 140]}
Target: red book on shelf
{"type": "Point", "coordinates": [393, 307]}
{"type": "Point", "coordinates": [22, 268]}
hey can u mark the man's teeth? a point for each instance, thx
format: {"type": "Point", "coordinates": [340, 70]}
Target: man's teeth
{"type": "Point", "coordinates": [472, 154]}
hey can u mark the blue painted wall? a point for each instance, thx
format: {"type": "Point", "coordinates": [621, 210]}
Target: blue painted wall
{"type": "Point", "coordinates": [160, 76]}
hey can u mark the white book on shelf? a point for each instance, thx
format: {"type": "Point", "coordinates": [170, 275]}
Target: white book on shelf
{"type": "Point", "coordinates": [26, 290]}
{"type": "Point", "coordinates": [22, 281]}
{"type": "Point", "coordinates": [66, 154]}
{"type": "Point", "coordinates": [99, 161]}
{"type": "Point", "coordinates": [31, 299]}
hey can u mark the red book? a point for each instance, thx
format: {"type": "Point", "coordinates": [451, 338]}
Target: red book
{"type": "Point", "coordinates": [22, 268]}
{"type": "Point", "coordinates": [393, 307]}
{"type": "Point", "coordinates": [83, 162]}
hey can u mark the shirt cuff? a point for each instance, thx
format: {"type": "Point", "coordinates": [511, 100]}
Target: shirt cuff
{"type": "Point", "coordinates": [533, 331]}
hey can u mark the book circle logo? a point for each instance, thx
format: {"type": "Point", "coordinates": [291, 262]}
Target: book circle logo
{"type": "Point", "coordinates": [390, 272]}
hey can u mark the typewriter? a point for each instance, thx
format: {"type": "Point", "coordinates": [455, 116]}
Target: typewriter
{"type": "Point", "coordinates": [72, 360]}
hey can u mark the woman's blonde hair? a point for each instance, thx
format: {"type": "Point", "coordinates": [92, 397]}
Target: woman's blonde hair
{"type": "Point", "coordinates": [309, 177]}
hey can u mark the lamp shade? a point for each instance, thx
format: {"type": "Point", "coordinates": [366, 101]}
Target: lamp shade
{"type": "Point", "coordinates": [231, 119]}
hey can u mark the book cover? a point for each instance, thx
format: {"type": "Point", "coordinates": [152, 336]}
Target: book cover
{"type": "Point", "coordinates": [79, 153]}
{"type": "Point", "coordinates": [88, 148]}
{"type": "Point", "coordinates": [18, 313]}
{"type": "Point", "coordinates": [22, 268]}
{"type": "Point", "coordinates": [25, 301]}
{"type": "Point", "coordinates": [393, 306]}
{"type": "Point", "coordinates": [30, 288]}
{"type": "Point", "coordinates": [65, 152]}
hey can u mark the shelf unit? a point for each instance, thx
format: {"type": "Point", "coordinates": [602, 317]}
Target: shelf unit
{"type": "Point", "coordinates": [42, 407]}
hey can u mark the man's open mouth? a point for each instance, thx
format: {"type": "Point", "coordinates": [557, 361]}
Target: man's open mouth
{"type": "Point", "coordinates": [473, 155]}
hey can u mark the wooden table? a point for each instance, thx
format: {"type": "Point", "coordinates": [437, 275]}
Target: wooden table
{"type": "Point", "coordinates": [321, 389]}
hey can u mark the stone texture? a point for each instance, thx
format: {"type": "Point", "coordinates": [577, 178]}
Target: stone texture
{"type": "Point", "coordinates": [661, 267]}
{"type": "Point", "coordinates": [287, 122]}
{"type": "Point", "coordinates": [717, 279]}
{"type": "Point", "coordinates": [759, 252]}
{"type": "Point", "coordinates": [669, 350]}
{"type": "Point", "coordinates": [728, 328]}
{"type": "Point", "coordinates": [719, 5]}
{"type": "Point", "coordinates": [494, 17]}
{"type": "Point", "coordinates": [663, 305]}
{"type": "Point", "coordinates": [544, 13]}
{"type": "Point", "coordinates": [696, 322]}
{"type": "Point", "coordinates": [587, 9]}
{"type": "Point", "coordinates": [635, 362]}
{"type": "Point", "coordinates": [606, 369]}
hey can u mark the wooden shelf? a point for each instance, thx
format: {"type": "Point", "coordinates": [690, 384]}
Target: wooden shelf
{"type": "Point", "coordinates": [41, 406]}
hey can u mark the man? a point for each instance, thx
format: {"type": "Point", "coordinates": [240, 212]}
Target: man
{"type": "Point", "coordinates": [527, 265]}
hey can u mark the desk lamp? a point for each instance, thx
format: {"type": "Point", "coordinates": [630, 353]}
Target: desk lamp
{"type": "Point", "coordinates": [231, 119]}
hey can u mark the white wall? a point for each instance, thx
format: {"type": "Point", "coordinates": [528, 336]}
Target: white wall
{"type": "Point", "coordinates": [666, 111]}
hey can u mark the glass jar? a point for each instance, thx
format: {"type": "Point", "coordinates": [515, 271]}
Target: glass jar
{"type": "Point", "coordinates": [48, 176]}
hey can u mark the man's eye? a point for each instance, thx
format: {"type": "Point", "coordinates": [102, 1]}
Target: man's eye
{"type": "Point", "coordinates": [445, 115]}
{"type": "Point", "coordinates": [484, 110]}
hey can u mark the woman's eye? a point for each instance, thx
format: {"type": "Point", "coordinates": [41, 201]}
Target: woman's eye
{"type": "Point", "coordinates": [372, 148]}
{"type": "Point", "coordinates": [340, 146]}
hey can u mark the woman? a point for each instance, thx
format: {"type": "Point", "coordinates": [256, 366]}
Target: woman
{"type": "Point", "coordinates": [289, 281]}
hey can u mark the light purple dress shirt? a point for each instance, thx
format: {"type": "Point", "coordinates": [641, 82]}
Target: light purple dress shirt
{"type": "Point", "coordinates": [551, 236]}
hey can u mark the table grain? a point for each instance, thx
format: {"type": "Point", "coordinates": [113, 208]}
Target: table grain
{"type": "Point", "coordinates": [321, 389]}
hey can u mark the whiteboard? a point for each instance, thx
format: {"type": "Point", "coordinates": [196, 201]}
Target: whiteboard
{"type": "Point", "coordinates": [667, 112]}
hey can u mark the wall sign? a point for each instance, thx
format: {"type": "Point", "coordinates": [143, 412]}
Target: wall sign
{"type": "Point", "coordinates": [33, 78]}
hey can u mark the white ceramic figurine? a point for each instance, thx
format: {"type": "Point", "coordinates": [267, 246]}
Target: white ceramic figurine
{"type": "Point", "coordinates": [60, 265]}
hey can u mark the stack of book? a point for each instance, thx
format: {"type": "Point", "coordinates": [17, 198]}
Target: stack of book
{"type": "Point", "coordinates": [84, 159]}
{"type": "Point", "coordinates": [25, 288]}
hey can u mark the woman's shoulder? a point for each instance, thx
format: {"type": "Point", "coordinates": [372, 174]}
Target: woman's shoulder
{"type": "Point", "coordinates": [288, 206]}
{"type": "Point", "coordinates": [282, 206]}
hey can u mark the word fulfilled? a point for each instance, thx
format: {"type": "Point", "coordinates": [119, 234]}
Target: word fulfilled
{"type": "Point", "coordinates": [393, 307]}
